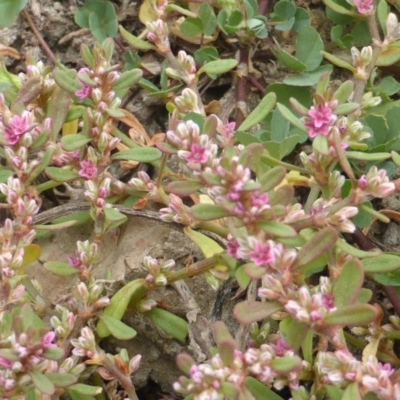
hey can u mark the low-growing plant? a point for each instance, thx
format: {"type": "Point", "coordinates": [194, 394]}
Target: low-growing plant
{"type": "Point", "coordinates": [313, 327]}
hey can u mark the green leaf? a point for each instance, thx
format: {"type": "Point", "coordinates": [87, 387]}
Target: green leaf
{"type": "Point", "coordinates": [53, 353]}
{"type": "Point", "coordinates": [140, 154]}
{"type": "Point", "coordinates": [285, 364]}
{"type": "Point", "coordinates": [208, 212]}
{"type": "Point", "coordinates": [260, 391]}
{"type": "Point", "coordinates": [301, 19]}
{"type": "Point", "coordinates": [344, 91]}
{"type": "Point", "coordinates": [242, 278]}
{"type": "Point", "coordinates": [61, 174]}
{"type": "Point", "coordinates": [103, 22]}
{"type": "Point", "coordinates": [66, 79]}
{"type": "Point", "coordinates": [57, 109]}
{"type": "Point", "coordinates": [383, 263]}
{"type": "Point", "coordinates": [191, 26]}
{"type": "Point", "coordinates": [260, 112]}
{"type": "Point", "coordinates": [5, 174]}
{"type": "Point", "coordinates": [184, 188]}
{"type": "Point", "coordinates": [389, 279]}
{"type": "Point", "coordinates": [247, 312]}
{"type": "Point", "coordinates": [389, 56]}
{"type": "Point", "coordinates": [308, 48]}
{"type": "Point", "coordinates": [272, 178]}
{"type": "Point", "coordinates": [334, 392]}
{"type": "Point", "coordinates": [389, 85]}
{"type": "Point", "coordinates": [352, 392]}
{"type": "Point", "coordinates": [62, 379]}
{"type": "Point", "coordinates": [85, 389]}
{"type": "Point", "coordinates": [29, 317]}
{"type": "Point", "coordinates": [42, 383]}
{"type": "Point", "coordinates": [276, 228]}
{"type": "Point", "coordinates": [131, 293]}
{"type": "Point", "coordinates": [307, 78]}
{"type": "Point", "coordinates": [339, 9]}
{"type": "Point", "coordinates": [349, 283]}
{"type": "Point", "coordinates": [358, 155]}
{"type": "Point", "coordinates": [9, 9]}
{"type": "Point", "coordinates": [316, 246]}
{"type": "Point", "coordinates": [135, 42]}
{"type": "Point", "coordinates": [338, 61]}
{"type": "Point", "coordinates": [208, 19]}
{"type": "Point", "coordinates": [284, 9]}
{"type": "Point", "coordinates": [320, 143]}
{"type": "Point", "coordinates": [60, 268]}
{"type": "Point", "coordinates": [169, 323]}
{"type": "Point", "coordinates": [218, 67]}
{"type": "Point", "coordinates": [78, 396]}
{"type": "Point", "coordinates": [117, 328]}
{"type": "Point", "coordinates": [74, 141]}
{"type": "Point", "coordinates": [206, 54]}
{"type": "Point", "coordinates": [351, 315]}
{"type": "Point", "coordinates": [294, 332]}
{"type": "Point", "coordinates": [288, 60]}
{"type": "Point", "coordinates": [291, 117]}
{"type": "Point", "coordinates": [382, 11]}
{"type": "Point", "coordinates": [127, 79]}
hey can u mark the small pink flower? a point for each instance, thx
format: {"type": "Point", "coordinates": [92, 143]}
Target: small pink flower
{"type": "Point", "coordinates": [197, 154]}
{"type": "Point", "coordinates": [74, 261]}
{"type": "Point", "coordinates": [228, 129]}
{"type": "Point", "coordinates": [17, 126]}
{"type": "Point", "coordinates": [84, 92]}
{"type": "Point", "coordinates": [47, 340]}
{"type": "Point", "coordinates": [88, 170]}
{"type": "Point", "coordinates": [319, 119]}
{"type": "Point", "coordinates": [261, 254]}
{"type": "Point", "coordinates": [364, 7]}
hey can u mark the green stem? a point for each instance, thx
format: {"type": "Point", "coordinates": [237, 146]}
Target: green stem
{"type": "Point", "coordinates": [211, 227]}
{"type": "Point", "coordinates": [267, 159]}
{"type": "Point", "coordinates": [192, 270]}
{"type": "Point", "coordinates": [374, 213]}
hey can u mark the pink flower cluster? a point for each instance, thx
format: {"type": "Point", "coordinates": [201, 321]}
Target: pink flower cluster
{"type": "Point", "coordinates": [198, 150]}
{"type": "Point", "coordinates": [319, 119]}
{"type": "Point", "coordinates": [374, 184]}
{"type": "Point", "coordinates": [206, 381]}
{"type": "Point", "coordinates": [22, 354]}
{"type": "Point", "coordinates": [341, 367]}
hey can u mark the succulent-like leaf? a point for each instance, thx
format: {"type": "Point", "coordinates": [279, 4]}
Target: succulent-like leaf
{"type": "Point", "coordinates": [383, 263]}
{"type": "Point", "coordinates": [131, 293]}
{"type": "Point", "coordinates": [316, 246]}
{"type": "Point", "coordinates": [140, 154]}
{"type": "Point", "coordinates": [61, 174]}
{"type": "Point", "coordinates": [62, 379]}
{"type": "Point", "coordinates": [247, 312]}
{"type": "Point", "coordinates": [349, 283]}
{"type": "Point", "coordinates": [60, 268]}
{"type": "Point", "coordinates": [184, 188]}
{"type": "Point", "coordinates": [208, 212]}
{"type": "Point", "coordinates": [42, 383]}
{"type": "Point", "coordinates": [260, 391]}
{"type": "Point", "coordinates": [169, 323]}
{"type": "Point", "coordinates": [218, 67]}
{"type": "Point", "coordinates": [117, 328]}
{"type": "Point", "coordinates": [351, 315]}
{"type": "Point", "coordinates": [260, 112]}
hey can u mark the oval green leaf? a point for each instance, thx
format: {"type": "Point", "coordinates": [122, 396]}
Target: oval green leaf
{"type": "Point", "coordinates": [381, 264]}
{"type": "Point", "coordinates": [260, 112]}
{"type": "Point", "coordinates": [140, 154]}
